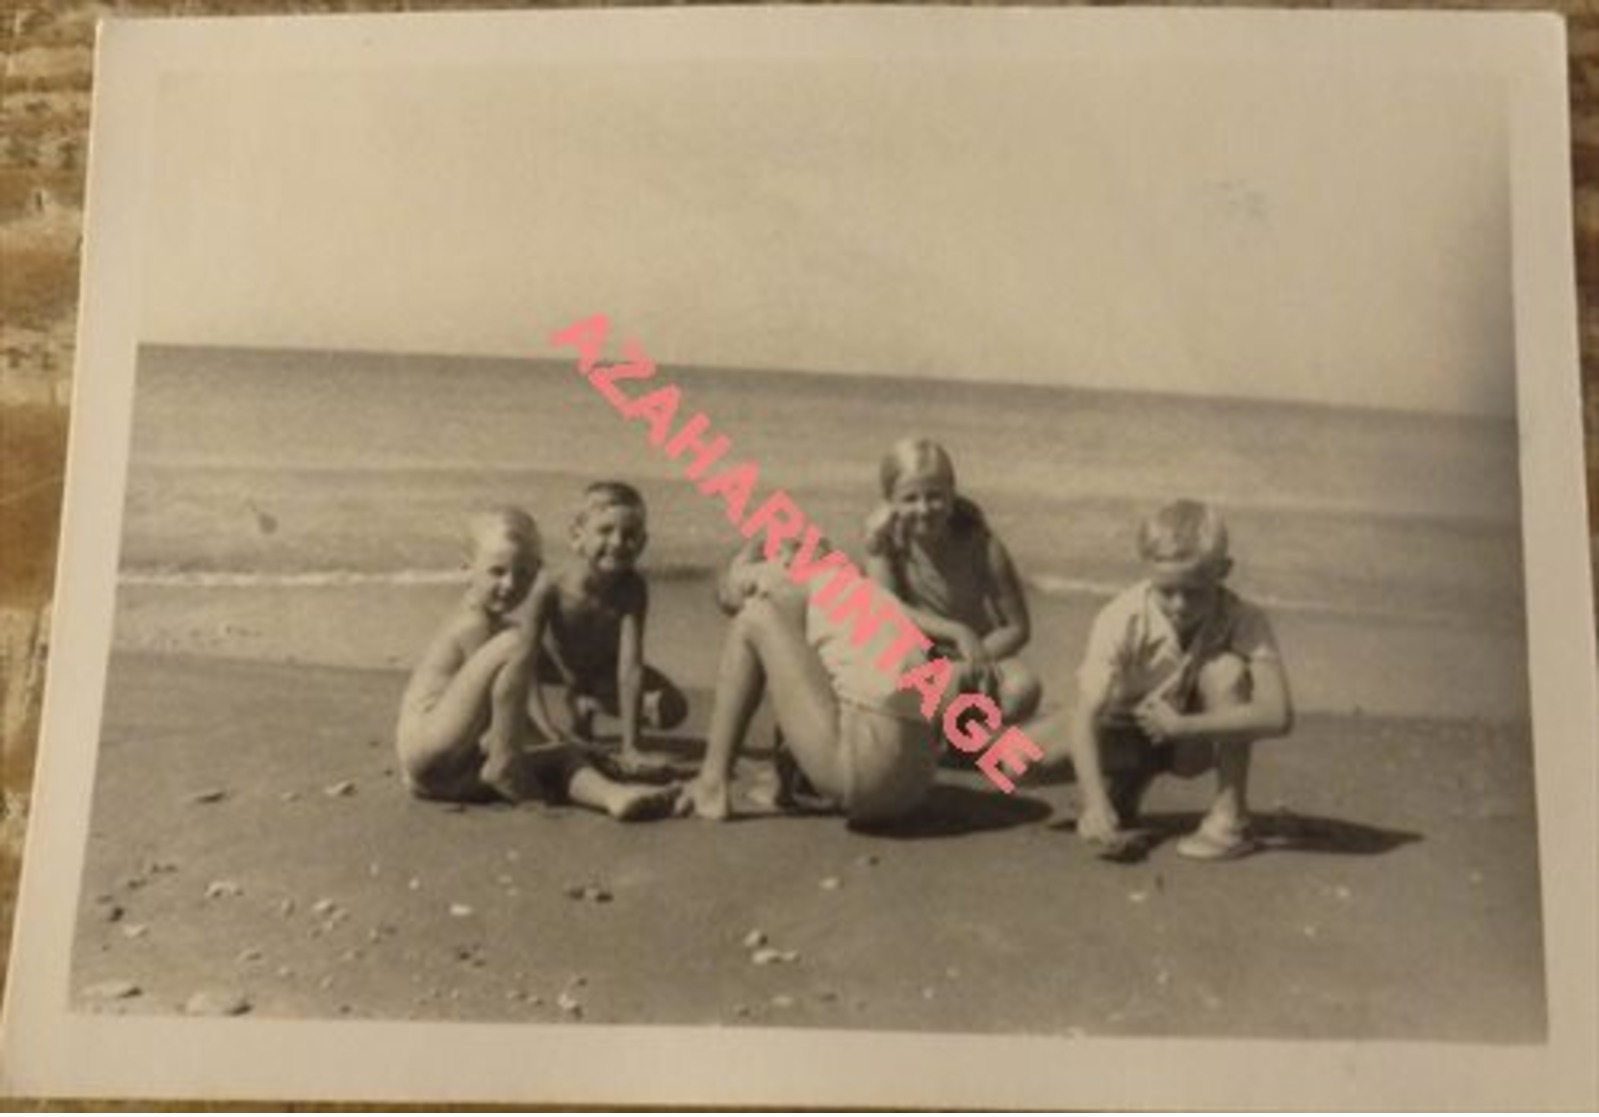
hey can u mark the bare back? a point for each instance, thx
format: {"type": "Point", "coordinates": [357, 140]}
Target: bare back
{"type": "Point", "coordinates": [465, 631]}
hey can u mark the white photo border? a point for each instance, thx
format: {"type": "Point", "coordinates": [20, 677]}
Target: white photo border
{"type": "Point", "coordinates": [50, 1050]}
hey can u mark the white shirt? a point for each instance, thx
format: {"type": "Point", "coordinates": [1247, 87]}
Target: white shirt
{"type": "Point", "coordinates": [854, 671]}
{"type": "Point", "coordinates": [1133, 650]}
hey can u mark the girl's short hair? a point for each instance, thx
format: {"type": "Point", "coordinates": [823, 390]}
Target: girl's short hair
{"type": "Point", "coordinates": [1184, 531]}
{"type": "Point", "coordinates": [506, 522]}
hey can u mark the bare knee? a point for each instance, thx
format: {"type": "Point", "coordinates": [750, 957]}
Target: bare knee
{"type": "Point", "coordinates": [756, 616]}
{"type": "Point", "coordinates": [762, 616]}
{"type": "Point", "coordinates": [1019, 692]}
{"type": "Point", "coordinates": [1224, 682]}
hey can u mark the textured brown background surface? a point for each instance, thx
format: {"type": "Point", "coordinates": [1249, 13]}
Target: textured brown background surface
{"type": "Point", "coordinates": [45, 84]}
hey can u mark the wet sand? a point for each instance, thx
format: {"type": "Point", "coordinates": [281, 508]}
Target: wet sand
{"type": "Point", "coordinates": [251, 841]}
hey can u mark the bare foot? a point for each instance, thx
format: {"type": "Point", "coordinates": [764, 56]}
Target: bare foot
{"type": "Point", "coordinates": [635, 765]}
{"type": "Point", "coordinates": [500, 772]}
{"type": "Point", "coordinates": [703, 799]}
{"type": "Point", "coordinates": [639, 804]}
{"type": "Point", "coordinates": [767, 792]}
{"type": "Point", "coordinates": [1125, 847]}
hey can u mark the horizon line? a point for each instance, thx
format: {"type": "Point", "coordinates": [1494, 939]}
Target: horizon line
{"type": "Point", "coordinates": [1497, 417]}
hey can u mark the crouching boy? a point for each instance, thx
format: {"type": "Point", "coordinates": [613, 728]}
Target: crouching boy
{"type": "Point", "coordinates": [1180, 675]}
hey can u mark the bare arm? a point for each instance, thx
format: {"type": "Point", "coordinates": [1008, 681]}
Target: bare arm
{"type": "Point", "coordinates": [1097, 821]}
{"type": "Point", "coordinates": [942, 629]}
{"type": "Point", "coordinates": [1015, 627]}
{"type": "Point", "coordinates": [736, 585]}
{"type": "Point", "coordinates": [541, 600]}
{"type": "Point", "coordinates": [630, 664]}
{"type": "Point", "coordinates": [1268, 713]}
{"type": "Point", "coordinates": [881, 536]}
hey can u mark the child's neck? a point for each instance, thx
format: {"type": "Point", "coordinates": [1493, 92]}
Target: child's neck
{"type": "Point", "coordinates": [598, 581]}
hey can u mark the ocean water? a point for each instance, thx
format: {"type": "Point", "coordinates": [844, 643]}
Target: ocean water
{"type": "Point", "coordinates": [272, 467]}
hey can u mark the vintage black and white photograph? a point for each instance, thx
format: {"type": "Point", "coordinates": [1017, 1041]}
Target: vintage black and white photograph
{"type": "Point", "coordinates": [958, 528]}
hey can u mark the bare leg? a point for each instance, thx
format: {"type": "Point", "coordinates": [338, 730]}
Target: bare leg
{"type": "Point", "coordinates": [625, 802]}
{"type": "Point", "coordinates": [766, 652]}
{"type": "Point", "coordinates": [662, 706]}
{"type": "Point", "coordinates": [740, 685]}
{"type": "Point", "coordinates": [1019, 691]}
{"type": "Point", "coordinates": [1232, 783]}
{"type": "Point", "coordinates": [469, 723]}
{"type": "Point", "coordinates": [1014, 687]}
{"type": "Point", "coordinates": [507, 735]}
{"type": "Point", "coordinates": [1223, 683]}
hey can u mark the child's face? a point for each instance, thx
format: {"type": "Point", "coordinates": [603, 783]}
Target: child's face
{"type": "Point", "coordinates": [502, 571]}
{"type": "Point", "coordinates": [923, 503]}
{"type": "Point", "coordinates": [1186, 593]}
{"type": "Point", "coordinates": [610, 539]}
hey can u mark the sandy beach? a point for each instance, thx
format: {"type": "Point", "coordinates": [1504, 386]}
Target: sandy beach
{"type": "Point", "coordinates": [251, 842]}
{"type": "Point", "coordinates": [289, 542]}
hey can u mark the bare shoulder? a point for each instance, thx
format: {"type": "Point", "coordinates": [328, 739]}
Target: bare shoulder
{"type": "Point", "coordinates": [457, 636]}
{"type": "Point", "coordinates": [467, 628]}
{"type": "Point", "coordinates": [994, 550]}
{"type": "Point", "coordinates": [547, 585]}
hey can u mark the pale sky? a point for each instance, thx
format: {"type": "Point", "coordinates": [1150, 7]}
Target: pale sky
{"type": "Point", "coordinates": [1336, 233]}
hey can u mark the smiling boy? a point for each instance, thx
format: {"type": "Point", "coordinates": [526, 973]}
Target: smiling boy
{"type": "Point", "coordinates": [462, 733]}
{"type": "Point", "coordinates": [1180, 675]}
{"type": "Point", "coordinates": [588, 620]}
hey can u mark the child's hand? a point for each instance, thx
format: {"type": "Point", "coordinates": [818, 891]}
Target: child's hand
{"type": "Point", "coordinates": [981, 673]}
{"type": "Point", "coordinates": [766, 579]}
{"type": "Point", "coordinates": [755, 579]}
{"type": "Point", "coordinates": [882, 530]}
{"type": "Point", "coordinates": [1158, 720]}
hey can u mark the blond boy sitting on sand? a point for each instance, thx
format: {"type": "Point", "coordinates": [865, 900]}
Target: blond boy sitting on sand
{"type": "Point", "coordinates": [1180, 675]}
{"type": "Point", "coordinates": [587, 621]}
{"type": "Point", "coordinates": [463, 733]}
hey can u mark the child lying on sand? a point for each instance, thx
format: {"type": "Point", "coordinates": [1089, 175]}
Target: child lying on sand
{"type": "Point", "coordinates": [463, 730]}
{"type": "Point", "coordinates": [1180, 674]}
{"type": "Point", "coordinates": [588, 622]}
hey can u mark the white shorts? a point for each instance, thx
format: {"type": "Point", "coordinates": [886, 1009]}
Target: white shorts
{"type": "Point", "coordinates": [888, 762]}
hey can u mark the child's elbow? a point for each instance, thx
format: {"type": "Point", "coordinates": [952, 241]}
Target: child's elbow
{"type": "Point", "coordinates": [1285, 721]}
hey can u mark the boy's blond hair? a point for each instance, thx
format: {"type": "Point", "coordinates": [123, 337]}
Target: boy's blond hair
{"type": "Point", "coordinates": [609, 494]}
{"type": "Point", "coordinates": [1189, 532]}
{"type": "Point", "coordinates": [506, 522]}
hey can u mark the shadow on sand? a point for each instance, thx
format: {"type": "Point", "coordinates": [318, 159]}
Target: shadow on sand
{"type": "Point", "coordinates": [950, 811]}
{"type": "Point", "coordinates": [1282, 832]}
